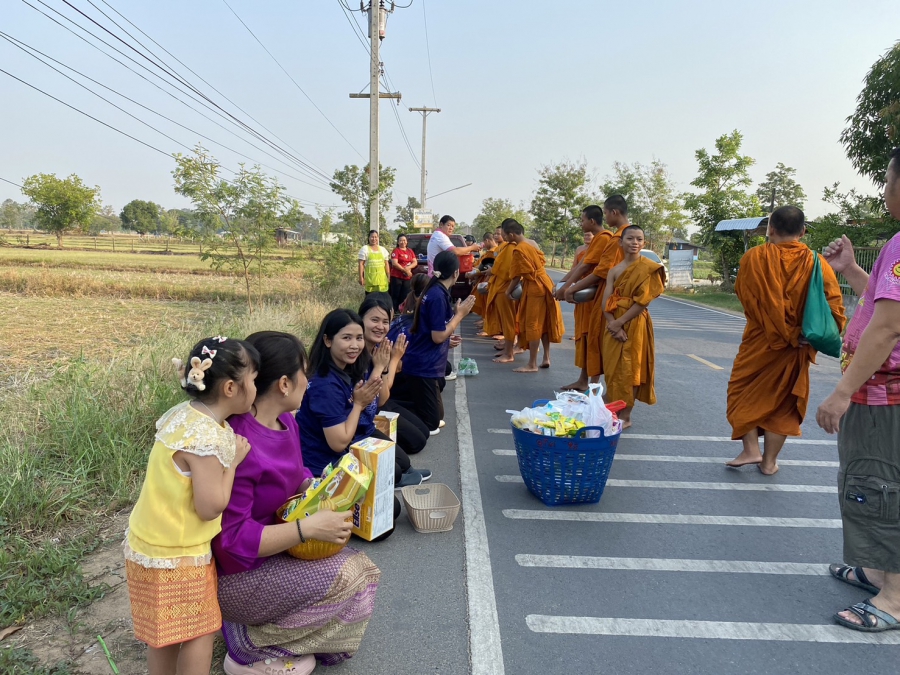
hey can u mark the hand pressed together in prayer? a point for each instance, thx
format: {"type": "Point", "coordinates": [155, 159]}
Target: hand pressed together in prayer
{"type": "Point", "coordinates": [399, 348]}
{"type": "Point", "coordinates": [365, 392]}
{"type": "Point", "coordinates": [381, 356]}
{"type": "Point", "coordinates": [463, 307]}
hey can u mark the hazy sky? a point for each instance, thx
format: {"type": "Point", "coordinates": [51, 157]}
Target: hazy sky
{"type": "Point", "coordinates": [520, 84]}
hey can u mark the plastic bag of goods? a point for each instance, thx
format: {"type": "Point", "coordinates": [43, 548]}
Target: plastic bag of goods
{"type": "Point", "coordinates": [467, 367]}
{"type": "Point", "coordinates": [598, 415]}
{"type": "Point", "coordinates": [544, 421]}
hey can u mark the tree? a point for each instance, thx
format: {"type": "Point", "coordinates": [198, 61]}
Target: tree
{"type": "Point", "coordinates": [140, 216]}
{"type": "Point", "coordinates": [558, 201]}
{"type": "Point", "coordinates": [862, 218]}
{"type": "Point", "coordinates": [351, 184]}
{"type": "Point", "coordinates": [405, 214]}
{"type": "Point", "coordinates": [494, 211]}
{"type": "Point", "coordinates": [12, 215]}
{"type": "Point", "coordinates": [105, 220]}
{"type": "Point", "coordinates": [787, 191]}
{"type": "Point", "coordinates": [246, 208]}
{"type": "Point", "coordinates": [722, 179]}
{"type": "Point", "coordinates": [62, 204]}
{"type": "Point", "coordinates": [874, 127]}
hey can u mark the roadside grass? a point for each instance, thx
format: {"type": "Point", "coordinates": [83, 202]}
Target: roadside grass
{"type": "Point", "coordinates": [19, 661]}
{"type": "Point", "coordinates": [708, 295]}
{"type": "Point", "coordinates": [78, 422]}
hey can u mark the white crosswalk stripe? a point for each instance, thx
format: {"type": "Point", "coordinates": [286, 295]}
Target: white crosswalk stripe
{"type": "Point", "coordinates": [682, 459]}
{"type": "Point", "coordinates": [694, 485]}
{"type": "Point", "coordinates": [671, 519]}
{"type": "Point", "coordinates": [583, 562]}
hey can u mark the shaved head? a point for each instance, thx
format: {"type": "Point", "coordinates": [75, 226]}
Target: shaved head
{"type": "Point", "coordinates": [788, 220]}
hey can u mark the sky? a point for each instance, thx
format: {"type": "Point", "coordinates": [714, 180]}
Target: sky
{"type": "Point", "coordinates": [520, 85]}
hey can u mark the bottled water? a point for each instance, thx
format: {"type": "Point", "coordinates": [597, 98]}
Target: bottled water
{"type": "Point", "coordinates": [468, 367]}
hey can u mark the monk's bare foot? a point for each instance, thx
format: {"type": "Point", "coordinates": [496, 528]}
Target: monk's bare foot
{"type": "Point", "coordinates": [482, 334]}
{"type": "Point", "coordinates": [503, 359]}
{"type": "Point", "coordinates": [744, 459]}
{"type": "Point", "coordinates": [500, 347]}
{"type": "Point", "coordinates": [518, 350]}
{"type": "Point", "coordinates": [545, 364]}
{"type": "Point", "coordinates": [526, 369]}
{"type": "Point", "coordinates": [767, 470]}
{"type": "Point", "coordinates": [626, 424]}
{"type": "Point", "coordinates": [498, 337]}
{"type": "Point", "coordinates": [576, 386]}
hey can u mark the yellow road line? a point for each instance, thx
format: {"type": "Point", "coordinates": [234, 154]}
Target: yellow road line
{"type": "Point", "coordinates": [704, 362]}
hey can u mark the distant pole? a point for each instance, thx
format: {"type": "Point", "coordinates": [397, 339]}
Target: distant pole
{"type": "Point", "coordinates": [374, 89]}
{"type": "Point", "coordinates": [424, 112]}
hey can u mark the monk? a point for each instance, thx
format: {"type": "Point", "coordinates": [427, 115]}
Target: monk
{"type": "Point", "coordinates": [596, 237]}
{"type": "Point", "coordinates": [586, 237]}
{"type": "Point", "coordinates": [769, 386]}
{"type": "Point", "coordinates": [500, 312]}
{"type": "Point", "coordinates": [615, 210]}
{"type": "Point", "coordinates": [539, 318]}
{"type": "Point", "coordinates": [628, 349]}
{"type": "Point", "coordinates": [479, 275]}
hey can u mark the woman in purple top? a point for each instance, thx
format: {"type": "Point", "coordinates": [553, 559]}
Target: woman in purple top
{"type": "Point", "coordinates": [281, 613]}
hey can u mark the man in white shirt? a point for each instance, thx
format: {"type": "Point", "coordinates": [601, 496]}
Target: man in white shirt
{"type": "Point", "coordinates": [440, 241]}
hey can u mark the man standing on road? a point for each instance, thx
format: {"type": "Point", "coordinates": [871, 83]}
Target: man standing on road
{"type": "Point", "coordinates": [769, 386]}
{"type": "Point", "coordinates": [865, 411]}
{"type": "Point", "coordinates": [440, 241]}
{"type": "Point", "coordinates": [591, 225]}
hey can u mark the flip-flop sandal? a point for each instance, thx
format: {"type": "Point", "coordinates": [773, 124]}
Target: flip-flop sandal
{"type": "Point", "coordinates": [842, 573]}
{"type": "Point", "coordinates": [873, 619]}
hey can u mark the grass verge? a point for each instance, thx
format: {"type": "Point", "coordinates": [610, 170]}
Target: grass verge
{"type": "Point", "coordinates": [706, 295]}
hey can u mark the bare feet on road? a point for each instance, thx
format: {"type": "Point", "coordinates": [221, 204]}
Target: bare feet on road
{"type": "Point", "coordinates": [745, 458]}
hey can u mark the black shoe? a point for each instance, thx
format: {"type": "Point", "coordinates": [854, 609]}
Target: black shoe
{"type": "Point", "coordinates": [410, 477]}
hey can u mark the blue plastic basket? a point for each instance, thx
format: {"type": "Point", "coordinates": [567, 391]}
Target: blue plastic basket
{"type": "Point", "coordinates": [565, 470]}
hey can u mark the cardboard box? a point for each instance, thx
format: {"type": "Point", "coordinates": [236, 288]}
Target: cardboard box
{"type": "Point", "coordinates": [374, 515]}
{"type": "Point", "coordinates": [386, 423]}
{"type": "Point", "coordinates": [338, 489]}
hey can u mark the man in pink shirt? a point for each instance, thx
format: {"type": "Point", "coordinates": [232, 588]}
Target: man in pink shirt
{"type": "Point", "coordinates": [864, 410]}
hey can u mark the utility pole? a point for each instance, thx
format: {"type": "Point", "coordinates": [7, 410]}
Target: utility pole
{"type": "Point", "coordinates": [424, 112]}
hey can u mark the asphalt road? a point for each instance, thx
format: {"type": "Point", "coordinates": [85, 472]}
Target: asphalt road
{"type": "Point", "coordinates": [684, 566]}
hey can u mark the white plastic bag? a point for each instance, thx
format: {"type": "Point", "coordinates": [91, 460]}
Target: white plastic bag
{"type": "Point", "coordinates": [598, 415]}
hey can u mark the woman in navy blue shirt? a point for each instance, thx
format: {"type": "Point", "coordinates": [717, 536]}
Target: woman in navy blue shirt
{"type": "Point", "coordinates": [434, 321]}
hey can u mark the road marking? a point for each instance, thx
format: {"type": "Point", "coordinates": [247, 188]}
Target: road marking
{"type": "Point", "coordinates": [695, 439]}
{"type": "Point", "coordinates": [704, 362]}
{"type": "Point", "coordinates": [690, 304]}
{"type": "Point", "coordinates": [696, 460]}
{"type": "Point", "coordinates": [693, 485]}
{"type": "Point", "coordinates": [586, 562]}
{"type": "Point", "coordinates": [706, 630]}
{"type": "Point", "coordinates": [485, 649]}
{"type": "Point", "coordinates": [671, 519]}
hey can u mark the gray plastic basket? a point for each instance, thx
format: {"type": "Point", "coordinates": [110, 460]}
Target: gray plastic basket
{"type": "Point", "coordinates": [431, 508]}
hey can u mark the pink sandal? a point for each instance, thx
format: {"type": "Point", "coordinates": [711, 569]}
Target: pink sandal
{"type": "Point", "coordinates": [299, 665]}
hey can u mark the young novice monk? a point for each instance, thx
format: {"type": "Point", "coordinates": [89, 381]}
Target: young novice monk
{"type": "Point", "coordinates": [539, 318]}
{"type": "Point", "coordinates": [769, 386]}
{"type": "Point", "coordinates": [627, 345]}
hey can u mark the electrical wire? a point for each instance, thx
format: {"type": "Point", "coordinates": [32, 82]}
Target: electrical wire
{"type": "Point", "coordinates": [428, 51]}
{"type": "Point", "coordinates": [11, 183]}
{"type": "Point", "coordinates": [296, 84]}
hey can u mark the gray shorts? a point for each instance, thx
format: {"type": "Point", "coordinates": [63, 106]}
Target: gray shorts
{"type": "Point", "coordinates": [869, 486]}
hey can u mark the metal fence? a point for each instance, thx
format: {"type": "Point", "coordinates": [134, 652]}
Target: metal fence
{"type": "Point", "coordinates": [865, 258]}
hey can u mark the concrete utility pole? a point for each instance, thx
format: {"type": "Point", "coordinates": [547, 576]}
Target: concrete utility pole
{"type": "Point", "coordinates": [424, 112]}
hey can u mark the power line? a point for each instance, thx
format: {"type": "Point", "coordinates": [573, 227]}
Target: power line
{"type": "Point", "coordinates": [206, 102]}
{"type": "Point", "coordinates": [272, 56]}
{"type": "Point", "coordinates": [428, 51]}
{"type": "Point", "coordinates": [11, 183]}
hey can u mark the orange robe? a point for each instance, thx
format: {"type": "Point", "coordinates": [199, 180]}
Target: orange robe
{"type": "Point", "coordinates": [769, 385]}
{"type": "Point", "coordinates": [481, 298]}
{"type": "Point", "coordinates": [582, 318]}
{"type": "Point", "coordinates": [538, 313]}
{"type": "Point", "coordinates": [500, 311]}
{"type": "Point", "coordinates": [630, 364]}
{"type": "Point", "coordinates": [604, 258]}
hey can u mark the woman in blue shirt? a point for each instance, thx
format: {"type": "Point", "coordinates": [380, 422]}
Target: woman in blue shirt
{"type": "Point", "coordinates": [425, 361]}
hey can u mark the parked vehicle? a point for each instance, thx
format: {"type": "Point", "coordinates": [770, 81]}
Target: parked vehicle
{"type": "Point", "coordinates": [419, 244]}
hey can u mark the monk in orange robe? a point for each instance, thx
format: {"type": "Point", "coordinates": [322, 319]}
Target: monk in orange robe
{"type": "Point", "coordinates": [539, 317]}
{"type": "Point", "coordinates": [769, 386]}
{"type": "Point", "coordinates": [615, 210]}
{"type": "Point", "coordinates": [628, 348]}
{"type": "Point", "coordinates": [581, 274]}
{"type": "Point", "coordinates": [479, 275]}
{"type": "Point", "coordinates": [500, 308]}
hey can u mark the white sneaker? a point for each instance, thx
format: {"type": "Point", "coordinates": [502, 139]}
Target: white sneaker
{"type": "Point", "coordinates": [434, 432]}
{"type": "Point", "coordinates": [451, 377]}
{"type": "Point", "coordinates": [442, 424]}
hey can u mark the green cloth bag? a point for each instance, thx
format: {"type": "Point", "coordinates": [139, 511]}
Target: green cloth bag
{"type": "Point", "coordinates": [819, 327]}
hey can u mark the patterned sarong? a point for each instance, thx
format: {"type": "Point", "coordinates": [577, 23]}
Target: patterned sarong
{"type": "Point", "coordinates": [291, 607]}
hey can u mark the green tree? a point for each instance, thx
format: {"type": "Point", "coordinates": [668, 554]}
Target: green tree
{"type": "Point", "coordinates": [561, 194]}
{"type": "Point", "coordinates": [12, 215]}
{"type": "Point", "coordinates": [494, 211]}
{"type": "Point", "coordinates": [62, 204]}
{"type": "Point", "coordinates": [105, 220]}
{"type": "Point", "coordinates": [140, 216]}
{"type": "Point", "coordinates": [722, 180]}
{"type": "Point", "coordinates": [405, 214]}
{"type": "Point", "coordinates": [788, 191]}
{"type": "Point", "coordinates": [351, 184]}
{"type": "Point", "coordinates": [247, 208]}
{"type": "Point", "coordinates": [874, 127]}
{"type": "Point", "coordinates": [862, 218]}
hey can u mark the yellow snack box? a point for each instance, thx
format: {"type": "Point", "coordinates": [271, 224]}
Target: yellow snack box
{"type": "Point", "coordinates": [374, 515]}
{"type": "Point", "coordinates": [386, 423]}
{"type": "Point", "coordinates": [338, 489]}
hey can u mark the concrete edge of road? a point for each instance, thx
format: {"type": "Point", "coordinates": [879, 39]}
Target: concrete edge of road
{"type": "Point", "coordinates": [485, 649]}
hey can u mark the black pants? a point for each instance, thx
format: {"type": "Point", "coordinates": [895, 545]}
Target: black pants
{"type": "Point", "coordinates": [422, 396]}
{"type": "Point", "coordinates": [412, 433]}
{"type": "Point", "coordinates": [399, 289]}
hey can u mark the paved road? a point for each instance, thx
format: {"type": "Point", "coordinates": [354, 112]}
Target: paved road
{"type": "Point", "coordinates": [684, 566]}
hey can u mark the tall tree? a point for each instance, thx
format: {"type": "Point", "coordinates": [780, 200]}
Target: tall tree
{"type": "Point", "coordinates": [405, 214]}
{"type": "Point", "coordinates": [351, 184]}
{"type": "Point", "coordinates": [787, 191]}
{"type": "Point", "coordinates": [494, 211]}
{"type": "Point", "coordinates": [247, 208]}
{"type": "Point", "coordinates": [12, 215]}
{"type": "Point", "coordinates": [106, 220]}
{"type": "Point", "coordinates": [561, 194]}
{"type": "Point", "coordinates": [140, 216]}
{"type": "Point", "coordinates": [874, 127]}
{"type": "Point", "coordinates": [62, 204]}
{"type": "Point", "coordinates": [722, 180]}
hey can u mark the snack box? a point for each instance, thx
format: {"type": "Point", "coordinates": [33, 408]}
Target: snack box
{"type": "Point", "coordinates": [338, 489]}
{"type": "Point", "coordinates": [374, 515]}
{"type": "Point", "coordinates": [386, 423]}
